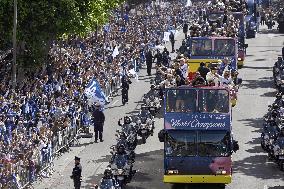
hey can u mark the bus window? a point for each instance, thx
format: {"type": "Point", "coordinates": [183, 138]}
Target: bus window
{"type": "Point", "coordinates": [201, 47]}
{"type": "Point", "coordinates": [214, 143]}
{"type": "Point", "coordinates": [181, 100]}
{"type": "Point", "coordinates": [181, 143]}
{"type": "Point", "coordinates": [224, 47]}
{"type": "Point", "coordinates": [213, 101]}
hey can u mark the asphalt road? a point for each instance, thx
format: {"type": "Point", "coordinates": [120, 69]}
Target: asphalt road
{"type": "Point", "coordinates": [251, 169]}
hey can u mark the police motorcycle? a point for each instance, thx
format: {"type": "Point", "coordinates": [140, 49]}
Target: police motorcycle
{"type": "Point", "coordinates": [128, 146]}
{"type": "Point", "coordinates": [278, 150]}
{"type": "Point", "coordinates": [122, 166]}
{"type": "Point", "coordinates": [270, 23]}
{"type": "Point", "coordinates": [152, 101]}
{"type": "Point", "coordinates": [269, 134]}
{"type": "Point", "coordinates": [108, 181]}
{"type": "Point", "coordinates": [129, 129]}
{"type": "Point", "coordinates": [145, 123]}
{"type": "Point", "coordinates": [278, 74]}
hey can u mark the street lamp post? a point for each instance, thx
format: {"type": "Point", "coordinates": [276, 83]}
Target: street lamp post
{"type": "Point", "coordinates": [14, 67]}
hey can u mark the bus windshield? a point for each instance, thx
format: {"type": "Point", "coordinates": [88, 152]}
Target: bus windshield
{"type": "Point", "coordinates": [181, 100]}
{"type": "Point", "coordinates": [214, 143]}
{"type": "Point", "coordinates": [201, 47]}
{"type": "Point", "coordinates": [213, 101]}
{"type": "Point", "coordinates": [224, 47]}
{"type": "Point", "coordinates": [214, 17]}
{"type": "Point", "coordinates": [181, 143]}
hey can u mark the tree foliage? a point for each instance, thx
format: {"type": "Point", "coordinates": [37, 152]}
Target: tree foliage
{"type": "Point", "coordinates": [42, 21]}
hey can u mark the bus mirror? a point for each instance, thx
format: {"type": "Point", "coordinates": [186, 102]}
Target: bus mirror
{"type": "Point", "coordinates": [246, 45]}
{"type": "Point", "coordinates": [236, 146]}
{"type": "Point", "coordinates": [161, 135]}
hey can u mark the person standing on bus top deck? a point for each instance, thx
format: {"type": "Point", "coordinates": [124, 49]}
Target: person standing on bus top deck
{"type": "Point", "coordinates": [226, 80]}
{"type": "Point", "coordinates": [203, 70]}
{"type": "Point", "coordinates": [224, 66]}
{"type": "Point", "coordinates": [212, 77]}
{"type": "Point", "coordinates": [183, 68]}
{"type": "Point", "coordinates": [172, 40]}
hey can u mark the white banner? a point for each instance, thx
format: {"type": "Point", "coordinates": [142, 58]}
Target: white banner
{"type": "Point", "coordinates": [166, 36]}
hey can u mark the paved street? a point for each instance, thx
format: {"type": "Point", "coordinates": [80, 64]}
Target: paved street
{"type": "Point", "coordinates": [252, 170]}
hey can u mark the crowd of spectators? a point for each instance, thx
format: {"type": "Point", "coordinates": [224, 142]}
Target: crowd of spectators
{"type": "Point", "coordinates": [216, 19]}
{"type": "Point", "coordinates": [50, 100]}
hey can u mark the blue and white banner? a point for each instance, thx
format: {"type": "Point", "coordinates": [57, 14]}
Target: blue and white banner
{"type": "Point", "coordinates": [95, 94]}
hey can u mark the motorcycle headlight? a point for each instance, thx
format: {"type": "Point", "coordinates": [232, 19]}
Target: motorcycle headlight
{"type": "Point", "coordinates": [120, 171]}
{"type": "Point", "coordinates": [281, 152]}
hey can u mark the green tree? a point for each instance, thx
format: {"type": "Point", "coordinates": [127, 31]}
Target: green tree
{"type": "Point", "coordinates": [42, 21]}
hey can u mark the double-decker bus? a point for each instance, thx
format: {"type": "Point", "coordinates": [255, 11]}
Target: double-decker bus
{"type": "Point", "coordinates": [252, 18]}
{"type": "Point", "coordinates": [197, 135]}
{"type": "Point", "coordinates": [239, 16]}
{"type": "Point", "coordinates": [210, 50]}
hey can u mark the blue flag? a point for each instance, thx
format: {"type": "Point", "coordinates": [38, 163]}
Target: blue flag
{"type": "Point", "coordinates": [94, 93]}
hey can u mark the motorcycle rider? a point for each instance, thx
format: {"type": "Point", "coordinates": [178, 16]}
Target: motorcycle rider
{"type": "Point", "coordinates": [122, 154]}
{"type": "Point", "coordinates": [278, 99]}
{"type": "Point", "coordinates": [276, 148]}
{"type": "Point", "coordinates": [126, 126]}
{"type": "Point", "coordinates": [144, 112]}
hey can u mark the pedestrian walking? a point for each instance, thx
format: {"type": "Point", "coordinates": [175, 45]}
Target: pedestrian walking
{"type": "Point", "coordinates": [98, 119]}
{"type": "Point", "coordinates": [77, 173]}
{"type": "Point", "coordinates": [172, 40]}
{"type": "Point", "coordinates": [149, 61]}
{"type": "Point", "coordinates": [159, 57]}
{"type": "Point", "coordinates": [185, 29]}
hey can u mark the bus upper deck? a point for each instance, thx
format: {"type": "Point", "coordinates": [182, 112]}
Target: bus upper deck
{"type": "Point", "coordinates": [198, 141]}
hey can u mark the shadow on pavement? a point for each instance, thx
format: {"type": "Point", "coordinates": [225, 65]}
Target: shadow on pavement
{"type": "Point", "coordinates": [256, 123]}
{"type": "Point", "coordinates": [260, 59]}
{"type": "Point", "coordinates": [269, 94]}
{"type": "Point", "coordinates": [259, 83]}
{"type": "Point", "coordinates": [273, 31]}
{"type": "Point", "coordinates": [258, 166]}
{"type": "Point", "coordinates": [255, 149]}
{"type": "Point", "coordinates": [257, 67]}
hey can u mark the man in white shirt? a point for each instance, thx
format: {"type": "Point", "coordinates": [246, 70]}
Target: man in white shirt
{"type": "Point", "coordinates": [184, 68]}
{"type": "Point", "coordinates": [212, 77]}
{"type": "Point", "coordinates": [226, 80]}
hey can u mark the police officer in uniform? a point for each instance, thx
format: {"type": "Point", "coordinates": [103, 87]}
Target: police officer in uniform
{"type": "Point", "coordinates": [125, 81]}
{"type": "Point", "coordinates": [149, 61]}
{"type": "Point", "coordinates": [76, 173]}
{"type": "Point", "coordinates": [98, 119]}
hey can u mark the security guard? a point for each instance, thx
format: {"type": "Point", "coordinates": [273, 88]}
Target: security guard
{"type": "Point", "coordinates": [98, 119]}
{"type": "Point", "coordinates": [125, 81]}
{"type": "Point", "coordinates": [76, 173]}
